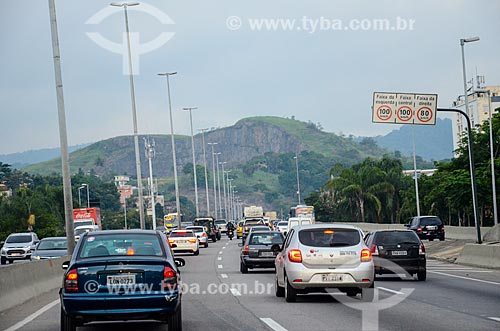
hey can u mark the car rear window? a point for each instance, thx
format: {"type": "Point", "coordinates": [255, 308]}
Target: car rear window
{"type": "Point", "coordinates": [53, 244]}
{"type": "Point", "coordinates": [266, 238]}
{"type": "Point", "coordinates": [18, 239]}
{"type": "Point", "coordinates": [197, 229]}
{"type": "Point", "coordinates": [220, 222]}
{"type": "Point", "coordinates": [181, 234]}
{"type": "Point", "coordinates": [430, 221]}
{"type": "Point", "coordinates": [395, 237]}
{"type": "Point", "coordinates": [282, 223]}
{"type": "Point", "coordinates": [120, 245]}
{"type": "Point", "coordinates": [329, 237]}
{"type": "Point", "coordinates": [253, 222]}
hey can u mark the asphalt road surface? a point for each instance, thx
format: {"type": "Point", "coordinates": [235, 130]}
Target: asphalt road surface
{"type": "Point", "coordinates": [219, 297]}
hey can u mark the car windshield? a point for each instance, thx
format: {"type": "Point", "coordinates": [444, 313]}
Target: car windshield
{"type": "Point", "coordinates": [79, 231]}
{"type": "Point", "coordinates": [52, 244]}
{"type": "Point", "coordinates": [120, 245]}
{"type": "Point", "coordinates": [329, 237]}
{"type": "Point", "coordinates": [196, 229]}
{"type": "Point", "coordinates": [282, 223]}
{"type": "Point", "coordinates": [182, 234]}
{"type": "Point", "coordinates": [395, 237]}
{"type": "Point", "coordinates": [253, 222]}
{"type": "Point", "coordinates": [430, 221]}
{"type": "Point", "coordinates": [83, 223]}
{"type": "Point", "coordinates": [266, 238]}
{"type": "Point", "coordinates": [19, 239]}
{"type": "Point", "coordinates": [220, 222]}
{"type": "Point", "coordinates": [260, 228]}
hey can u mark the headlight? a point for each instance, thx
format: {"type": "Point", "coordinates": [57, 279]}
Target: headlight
{"type": "Point", "coordinates": [36, 257]}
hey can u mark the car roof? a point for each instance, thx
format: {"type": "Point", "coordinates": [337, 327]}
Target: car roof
{"type": "Point", "coordinates": [54, 238]}
{"type": "Point", "coordinates": [325, 225]}
{"type": "Point", "coordinates": [392, 230]}
{"type": "Point", "coordinates": [21, 234]}
{"type": "Point", "coordinates": [118, 232]}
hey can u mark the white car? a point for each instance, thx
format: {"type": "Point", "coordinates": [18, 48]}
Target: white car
{"type": "Point", "coordinates": [222, 225]}
{"type": "Point", "coordinates": [320, 256]}
{"type": "Point", "coordinates": [200, 233]}
{"type": "Point", "coordinates": [184, 241]}
{"type": "Point", "coordinates": [282, 227]}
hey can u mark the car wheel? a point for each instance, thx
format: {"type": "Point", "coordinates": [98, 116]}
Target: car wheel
{"type": "Point", "coordinates": [441, 238]}
{"type": "Point", "coordinates": [67, 323]}
{"type": "Point", "coordinates": [11, 261]}
{"type": "Point", "coordinates": [206, 244]}
{"type": "Point", "coordinates": [243, 268]}
{"type": "Point", "coordinates": [175, 320]}
{"type": "Point", "coordinates": [4, 260]}
{"type": "Point", "coordinates": [352, 292]}
{"type": "Point", "coordinates": [280, 291]}
{"type": "Point", "coordinates": [431, 239]}
{"type": "Point", "coordinates": [422, 275]}
{"type": "Point", "coordinates": [290, 292]}
{"type": "Point", "coordinates": [197, 252]}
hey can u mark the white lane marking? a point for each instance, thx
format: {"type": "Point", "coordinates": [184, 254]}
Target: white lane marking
{"type": "Point", "coordinates": [467, 278]}
{"type": "Point", "coordinates": [235, 292]}
{"type": "Point", "coordinates": [462, 270]}
{"type": "Point", "coordinates": [273, 324]}
{"type": "Point", "coordinates": [389, 290]}
{"type": "Point", "coordinates": [33, 316]}
{"type": "Point", "coordinates": [220, 252]}
{"type": "Point", "coordinates": [223, 275]}
{"type": "Point", "coordinates": [219, 266]}
{"type": "Point", "coordinates": [219, 258]}
{"type": "Point", "coordinates": [496, 319]}
{"type": "Point", "coordinates": [224, 247]}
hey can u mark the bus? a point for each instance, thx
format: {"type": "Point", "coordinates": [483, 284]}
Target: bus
{"type": "Point", "coordinates": [303, 211]}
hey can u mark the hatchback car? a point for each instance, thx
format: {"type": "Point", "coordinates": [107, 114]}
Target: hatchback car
{"type": "Point", "coordinates": [282, 226]}
{"type": "Point", "coordinates": [402, 248]}
{"type": "Point", "coordinates": [18, 246]}
{"type": "Point", "coordinates": [427, 227]}
{"type": "Point", "coordinates": [50, 248]}
{"type": "Point", "coordinates": [118, 275]}
{"type": "Point", "coordinates": [260, 250]}
{"type": "Point", "coordinates": [185, 242]}
{"type": "Point", "coordinates": [200, 233]}
{"type": "Point", "coordinates": [239, 229]}
{"type": "Point", "coordinates": [222, 225]}
{"type": "Point", "coordinates": [320, 256]}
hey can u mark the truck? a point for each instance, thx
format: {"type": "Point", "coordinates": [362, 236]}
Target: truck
{"type": "Point", "coordinates": [253, 212]}
{"type": "Point", "coordinates": [303, 211]}
{"type": "Point", "coordinates": [87, 217]}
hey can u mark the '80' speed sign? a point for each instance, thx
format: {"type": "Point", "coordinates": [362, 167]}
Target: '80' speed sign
{"type": "Point", "coordinates": [404, 108]}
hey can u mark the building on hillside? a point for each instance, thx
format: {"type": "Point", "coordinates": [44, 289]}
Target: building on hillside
{"type": "Point", "coordinates": [480, 99]}
{"type": "Point", "coordinates": [5, 191]}
{"type": "Point", "coordinates": [426, 172]}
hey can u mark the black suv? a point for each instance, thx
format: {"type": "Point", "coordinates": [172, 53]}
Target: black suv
{"type": "Point", "coordinates": [400, 247]}
{"type": "Point", "coordinates": [427, 227]}
{"type": "Point", "coordinates": [208, 223]}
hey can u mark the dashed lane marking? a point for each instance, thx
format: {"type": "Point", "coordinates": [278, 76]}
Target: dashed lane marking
{"type": "Point", "coordinates": [235, 292]}
{"type": "Point", "coordinates": [462, 277]}
{"type": "Point", "coordinates": [223, 275]}
{"type": "Point", "coordinates": [273, 324]}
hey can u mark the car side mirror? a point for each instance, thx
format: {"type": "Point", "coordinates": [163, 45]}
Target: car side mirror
{"type": "Point", "coordinates": [179, 262]}
{"type": "Point", "coordinates": [65, 265]}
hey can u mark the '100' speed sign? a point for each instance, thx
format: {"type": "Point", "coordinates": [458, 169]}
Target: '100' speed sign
{"type": "Point", "coordinates": [404, 108]}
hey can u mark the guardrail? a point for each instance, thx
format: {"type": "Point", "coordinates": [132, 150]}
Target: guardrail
{"type": "Point", "coordinates": [24, 281]}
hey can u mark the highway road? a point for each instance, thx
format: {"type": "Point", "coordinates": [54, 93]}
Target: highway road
{"type": "Point", "coordinates": [219, 297]}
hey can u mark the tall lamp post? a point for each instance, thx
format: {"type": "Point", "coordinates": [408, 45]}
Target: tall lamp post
{"type": "Point", "coordinates": [205, 166]}
{"type": "Point", "coordinates": [190, 110]}
{"type": "Point", "coordinates": [218, 182]}
{"type": "Point", "coordinates": [134, 112]}
{"type": "Point", "coordinates": [213, 172]}
{"type": "Point", "coordinates": [296, 157]}
{"type": "Point", "coordinates": [466, 97]}
{"type": "Point", "coordinates": [224, 184]}
{"type": "Point", "coordinates": [172, 140]}
{"type": "Point", "coordinates": [80, 196]}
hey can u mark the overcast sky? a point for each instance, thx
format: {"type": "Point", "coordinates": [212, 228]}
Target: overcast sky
{"type": "Point", "coordinates": [231, 72]}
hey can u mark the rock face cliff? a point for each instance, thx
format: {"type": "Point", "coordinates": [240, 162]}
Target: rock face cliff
{"type": "Point", "coordinates": [238, 144]}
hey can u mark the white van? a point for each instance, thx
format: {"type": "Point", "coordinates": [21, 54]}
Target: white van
{"type": "Point", "coordinates": [294, 221]}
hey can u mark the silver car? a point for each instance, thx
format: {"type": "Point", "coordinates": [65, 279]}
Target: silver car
{"type": "Point", "coordinates": [319, 256]}
{"type": "Point", "coordinates": [200, 233]}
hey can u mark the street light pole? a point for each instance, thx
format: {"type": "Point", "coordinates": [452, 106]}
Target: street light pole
{"type": "Point", "coordinates": [172, 141]}
{"type": "Point", "coordinates": [150, 154]}
{"type": "Point", "coordinates": [224, 188]}
{"type": "Point", "coordinates": [296, 157]}
{"type": "Point", "coordinates": [492, 161]}
{"type": "Point", "coordinates": [205, 166]}
{"type": "Point", "coordinates": [190, 110]}
{"type": "Point", "coordinates": [88, 196]}
{"type": "Point", "coordinates": [80, 196]}
{"type": "Point", "coordinates": [134, 113]}
{"type": "Point", "coordinates": [213, 172]}
{"type": "Point", "coordinates": [466, 97]}
{"type": "Point", "coordinates": [218, 182]}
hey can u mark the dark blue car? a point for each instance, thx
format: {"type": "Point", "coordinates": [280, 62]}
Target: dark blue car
{"type": "Point", "coordinates": [121, 275]}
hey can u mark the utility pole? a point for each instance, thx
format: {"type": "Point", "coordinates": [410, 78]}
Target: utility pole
{"type": "Point", "coordinates": [190, 110]}
{"type": "Point", "coordinates": [205, 166]}
{"type": "Point", "coordinates": [63, 136]}
{"type": "Point", "coordinates": [150, 154]}
{"type": "Point", "coordinates": [213, 172]}
{"type": "Point", "coordinates": [218, 182]}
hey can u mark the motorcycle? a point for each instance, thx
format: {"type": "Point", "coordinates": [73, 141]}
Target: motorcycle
{"type": "Point", "coordinates": [230, 234]}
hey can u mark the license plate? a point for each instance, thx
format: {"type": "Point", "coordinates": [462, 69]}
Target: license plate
{"type": "Point", "coordinates": [121, 280]}
{"type": "Point", "coordinates": [267, 254]}
{"type": "Point", "coordinates": [16, 254]}
{"type": "Point", "coordinates": [181, 241]}
{"type": "Point", "coordinates": [332, 278]}
{"type": "Point", "coordinates": [399, 253]}
{"type": "Point", "coordinates": [432, 227]}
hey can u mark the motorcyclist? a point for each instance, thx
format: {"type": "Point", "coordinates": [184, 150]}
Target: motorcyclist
{"type": "Point", "coordinates": [230, 230]}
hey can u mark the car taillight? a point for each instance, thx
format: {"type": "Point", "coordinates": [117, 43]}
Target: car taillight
{"type": "Point", "coordinates": [374, 249]}
{"type": "Point", "coordinates": [295, 255]}
{"type": "Point", "coordinates": [441, 227]}
{"type": "Point", "coordinates": [366, 255]}
{"type": "Point", "coordinates": [204, 234]}
{"type": "Point", "coordinates": [130, 251]}
{"type": "Point", "coordinates": [171, 241]}
{"type": "Point", "coordinates": [71, 281]}
{"type": "Point", "coordinates": [419, 229]}
{"type": "Point", "coordinates": [192, 240]}
{"type": "Point", "coordinates": [245, 250]}
{"type": "Point", "coordinates": [169, 278]}
{"type": "Point", "coordinates": [421, 249]}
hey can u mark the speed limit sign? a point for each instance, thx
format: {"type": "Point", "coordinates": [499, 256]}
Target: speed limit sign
{"type": "Point", "coordinates": [404, 108]}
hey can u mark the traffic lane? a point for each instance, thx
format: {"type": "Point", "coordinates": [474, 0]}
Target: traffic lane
{"type": "Point", "coordinates": [207, 311]}
{"type": "Point", "coordinates": [15, 262]}
{"type": "Point", "coordinates": [324, 312]}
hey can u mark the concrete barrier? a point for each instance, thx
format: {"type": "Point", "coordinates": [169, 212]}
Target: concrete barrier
{"type": "Point", "coordinates": [480, 256]}
{"type": "Point", "coordinates": [24, 281]}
